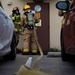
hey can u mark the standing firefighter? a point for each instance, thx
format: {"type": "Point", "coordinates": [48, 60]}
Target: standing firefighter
{"type": "Point", "coordinates": [16, 18]}
{"type": "Point", "coordinates": [28, 21]}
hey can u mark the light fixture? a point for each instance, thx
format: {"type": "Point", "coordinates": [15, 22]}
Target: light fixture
{"type": "Point", "coordinates": [9, 3]}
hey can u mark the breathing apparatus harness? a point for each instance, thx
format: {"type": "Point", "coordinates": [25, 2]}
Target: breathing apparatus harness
{"type": "Point", "coordinates": [30, 21]}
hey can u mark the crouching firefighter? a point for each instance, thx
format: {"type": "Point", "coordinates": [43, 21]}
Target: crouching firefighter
{"type": "Point", "coordinates": [28, 22]}
{"type": "Point", "coordinates": [16, 18]}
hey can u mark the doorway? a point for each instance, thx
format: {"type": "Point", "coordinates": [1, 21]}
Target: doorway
{"type": "Point", "coordinates": [43, 30]}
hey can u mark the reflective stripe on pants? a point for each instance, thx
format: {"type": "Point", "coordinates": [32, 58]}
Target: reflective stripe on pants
{"type": "Point", "coordinates": [25, 50]}
{"type": "Point", "coordinates": [34, 51]}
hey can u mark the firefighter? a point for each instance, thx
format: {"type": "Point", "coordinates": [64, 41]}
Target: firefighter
{"type": "Point", "coordinates": [16, 18]}
{"type": "Point", "coordinates": [29, 39]}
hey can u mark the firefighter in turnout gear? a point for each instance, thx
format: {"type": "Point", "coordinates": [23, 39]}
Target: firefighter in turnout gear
{"type": "Point", "coordinates": [28, 22]}
{"type": "Point", "coordinates": [16, 18]}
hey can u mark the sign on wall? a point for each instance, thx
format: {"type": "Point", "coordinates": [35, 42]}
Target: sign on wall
{"type": "Point", "coordinates": [38, 9]}
{"type": "Point", "coordinates": [38, 24]}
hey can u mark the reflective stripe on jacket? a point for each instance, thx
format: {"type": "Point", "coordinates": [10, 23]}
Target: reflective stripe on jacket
{"type": "Point", "coordinates": [63, 21]}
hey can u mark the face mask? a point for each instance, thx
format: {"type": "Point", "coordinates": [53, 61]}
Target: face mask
{"type": "Point", "coordinates": [29, 10]}
{"type": "Point", "coordinates": [16, 12]}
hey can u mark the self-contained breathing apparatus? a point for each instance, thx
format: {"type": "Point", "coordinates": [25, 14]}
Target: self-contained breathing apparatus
{"type": "Point", "coordinates": [30, 21]}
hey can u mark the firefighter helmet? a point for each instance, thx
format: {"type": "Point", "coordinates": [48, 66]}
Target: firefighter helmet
{"type": "Point", "coordinates": [16, 11]}
{"type": "Point", "coordinates": [26, 7]}
{"type": "Point", "coordinates": [16, 8]}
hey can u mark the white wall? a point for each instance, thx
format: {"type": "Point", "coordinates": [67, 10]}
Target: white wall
{"type": "Point", "coordinates": [55, 20]}
{"type": "Point", "coordinates": [18, 3]}
{"type": "Point", "coordinates": [55, 25]}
